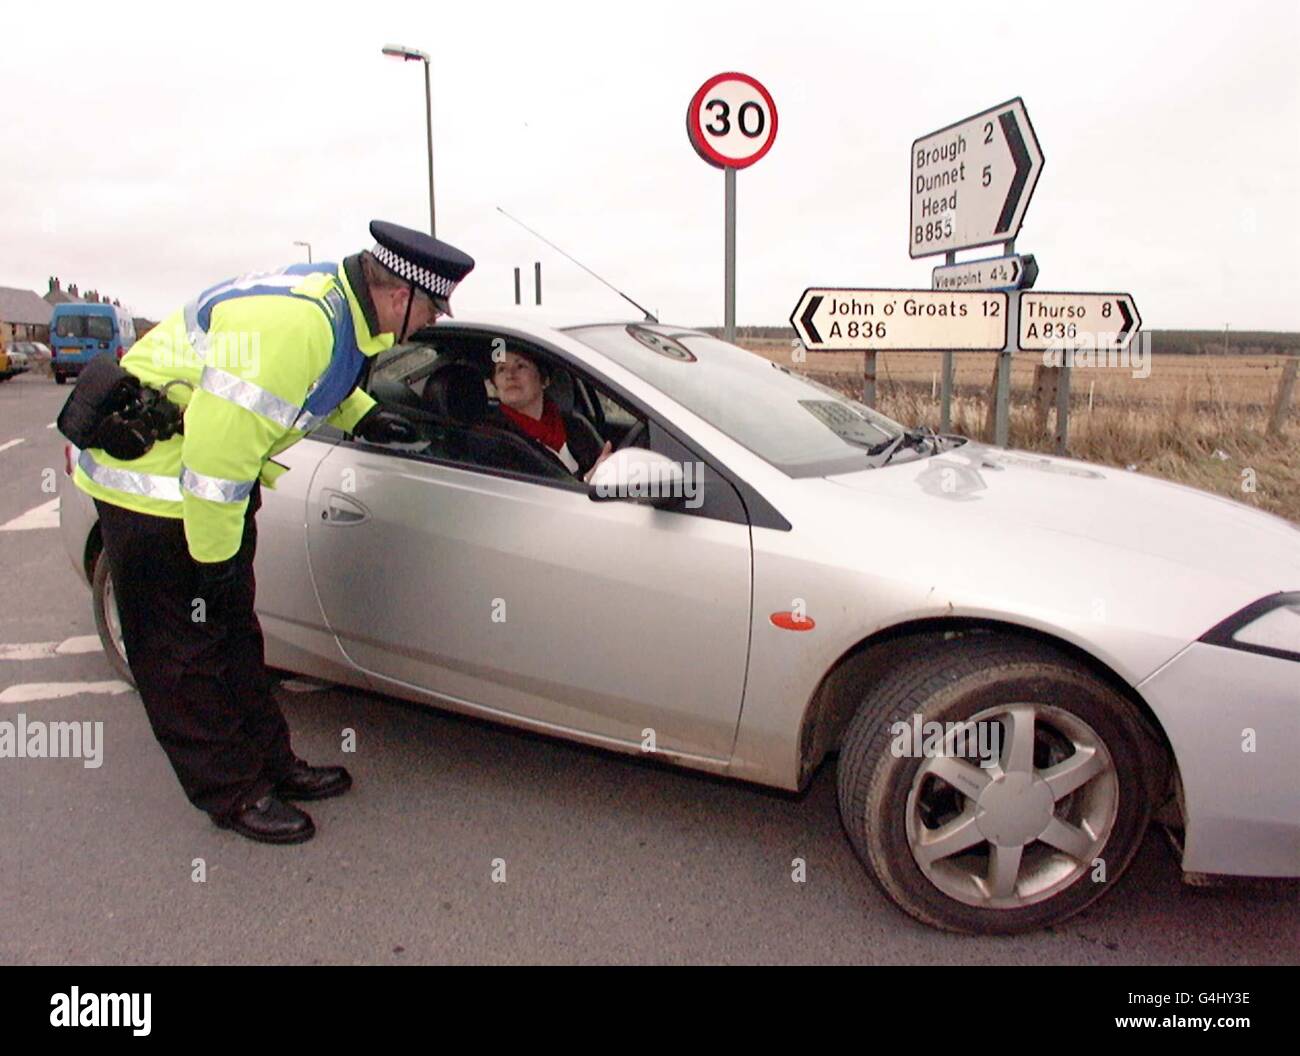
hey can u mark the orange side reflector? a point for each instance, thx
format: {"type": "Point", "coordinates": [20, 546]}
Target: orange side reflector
{"type": "Point", "coordinates": [788, 621]}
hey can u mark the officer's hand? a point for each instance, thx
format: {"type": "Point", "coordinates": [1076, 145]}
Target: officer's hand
{"type": "Point", "coordinates": [380, 426]}
{"type": "Point", "coordinates": [217, 577]}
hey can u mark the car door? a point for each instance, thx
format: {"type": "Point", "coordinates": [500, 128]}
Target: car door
{"type": "Point", "coordinates": [524, 598]}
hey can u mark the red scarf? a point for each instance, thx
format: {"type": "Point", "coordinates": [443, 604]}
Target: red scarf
{"type": "Point", "coordinates": [549, 428]}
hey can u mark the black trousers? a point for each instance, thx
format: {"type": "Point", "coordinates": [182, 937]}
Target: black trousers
{"type": "Point", "coordinates": [204, 681]}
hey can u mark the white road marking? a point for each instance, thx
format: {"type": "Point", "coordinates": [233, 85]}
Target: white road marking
{"type": "Point", "coordinates": [30, 691]}
{"type": "Point", "coordinates": [44, 516]}
{"type": "Point", "coordinates": [11, 443]}
{"type": "Point", "coordinates": [51, 425]}
{"type": "Point", "coordinates": [85, 643]}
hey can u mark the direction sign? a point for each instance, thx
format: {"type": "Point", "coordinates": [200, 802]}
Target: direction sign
{"type": "Point", "coordinates": [1076, 320]}
{"type": "Point", "coordinates": [835, 319]}
{"type": "Point", "coordinates": [731, 121]}
{"type": "Point", "coordinates": [972, 181]}
{"type": "Point", "coordinates": [1012, 272]}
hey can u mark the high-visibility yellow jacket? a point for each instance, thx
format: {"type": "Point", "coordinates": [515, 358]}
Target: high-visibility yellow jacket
{"type": "Point", "coordinates": [270, 357]}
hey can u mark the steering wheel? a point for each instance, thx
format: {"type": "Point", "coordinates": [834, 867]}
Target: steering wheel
{"type": "Point", "coordinates": [634, 436]}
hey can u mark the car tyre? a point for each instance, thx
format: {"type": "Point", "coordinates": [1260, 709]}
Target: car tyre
{"type": "Point", "coordinates": [107, 623]}
{"type": "Point", "coordinates": [60, 378]}
{"type": "Point", "coordinates": [945, 844]}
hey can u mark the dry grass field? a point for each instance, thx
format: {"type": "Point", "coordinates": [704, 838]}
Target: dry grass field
{"type": "Point", "coordinates": [1197, 419]}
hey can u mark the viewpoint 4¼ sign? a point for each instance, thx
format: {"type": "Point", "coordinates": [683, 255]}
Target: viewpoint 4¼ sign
{"type": "Point", "coordinates": [1076, 320]}
{"type": "Point", "coordinates": [833, 319]}
{"type": "Point", "coordinates": [972, 181]}
{"type": "Point", "coordinates": [1012, 272]}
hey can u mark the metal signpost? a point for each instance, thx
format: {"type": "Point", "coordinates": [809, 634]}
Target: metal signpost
{"type": "Point", "coordinates": [731, 122]}
{"type": "Point", "coordinates": [970, 185]}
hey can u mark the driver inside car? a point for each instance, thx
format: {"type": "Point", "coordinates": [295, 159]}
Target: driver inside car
{"type": "Point", "coordinates": [521, 383]}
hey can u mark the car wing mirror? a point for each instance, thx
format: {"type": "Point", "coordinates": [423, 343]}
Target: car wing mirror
{"type": "Point", "coordinates": [635, 474]}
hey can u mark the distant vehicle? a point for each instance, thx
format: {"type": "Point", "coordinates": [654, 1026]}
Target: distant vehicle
{"type": "Point", "coordinates": [17, 358]}
{"type": "Point", "coordinates": [37, 352]}
{"type": "Point", "coordinates": [79, 332]}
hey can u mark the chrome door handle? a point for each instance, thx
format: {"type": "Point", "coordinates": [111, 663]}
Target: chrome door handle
{"type": "Point", "coordinates": [339, 509]}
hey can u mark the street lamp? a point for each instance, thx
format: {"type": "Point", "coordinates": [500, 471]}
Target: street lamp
{"type": "Point", "coordinates": [308, 245]}
{"type": "Point", "coordinates": [397, 51]}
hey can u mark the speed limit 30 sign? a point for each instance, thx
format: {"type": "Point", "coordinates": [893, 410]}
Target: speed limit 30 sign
{"type": "Point", "coordinates": [731, 121]}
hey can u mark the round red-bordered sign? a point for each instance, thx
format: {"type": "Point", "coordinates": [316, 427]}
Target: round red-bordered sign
{"type": "Point", "coordinates": [731, 121]}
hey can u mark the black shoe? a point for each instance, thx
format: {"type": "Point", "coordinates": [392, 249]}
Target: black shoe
{"type": "Point", "coordinates": [313, 782]}
{"type": "Point", "coordinates": [270, 821]}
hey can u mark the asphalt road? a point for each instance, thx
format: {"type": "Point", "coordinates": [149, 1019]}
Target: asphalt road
{"type": "Point", "coordinates": [607, 859]}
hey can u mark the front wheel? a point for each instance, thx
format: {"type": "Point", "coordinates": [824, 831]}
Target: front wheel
{"type": "Point", "coordinates": [994, 786]}
{"type": "Point", "coordinates": [107, 621]}
{"type": "Point", "coordinates": [60, 378]}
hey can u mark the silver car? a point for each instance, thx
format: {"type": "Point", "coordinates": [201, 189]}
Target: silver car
{"type": "Point", "coordinates": [1019, 660]}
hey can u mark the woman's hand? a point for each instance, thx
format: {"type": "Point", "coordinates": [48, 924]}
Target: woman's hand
{"type": "Point", "coordinates": [605, 452]}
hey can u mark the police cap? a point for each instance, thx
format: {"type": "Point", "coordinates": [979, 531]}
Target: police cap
{"type": "Point", "coordinates": [431, 265]}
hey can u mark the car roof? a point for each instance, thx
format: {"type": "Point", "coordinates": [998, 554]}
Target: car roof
{"type": "Point", "coordinates": [86, 307]}
{"type": "Point", "coordinates": [535, 320]}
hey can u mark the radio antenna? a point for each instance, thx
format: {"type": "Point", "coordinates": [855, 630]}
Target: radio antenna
{"type": "Point", "coordinates": [649, 316]}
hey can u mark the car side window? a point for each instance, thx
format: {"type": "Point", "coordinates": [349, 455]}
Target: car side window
{"type": "Point", "coordinates": [443, 389]}
{"type": "Point", "coordinates": [614, 412]}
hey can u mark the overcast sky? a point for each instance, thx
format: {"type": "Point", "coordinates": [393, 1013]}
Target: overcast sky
{"type": "Point", "coordinates": [151, 150]}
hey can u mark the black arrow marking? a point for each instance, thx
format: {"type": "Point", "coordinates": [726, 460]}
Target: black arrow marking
{"type": "Point", "coordinates": [813, 304]}
{"type": "Point", "coordinates": [1128, 322]}
{"type": "Point", "coordinates": [1011, 130]}
{"type": "Point", "coordinates": [1015, 268]}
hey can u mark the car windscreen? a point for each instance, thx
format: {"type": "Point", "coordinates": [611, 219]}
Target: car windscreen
{"type": "Point", "coordinates": [84, 324]}
{"type": "Point", "coordinates": [798, 425]}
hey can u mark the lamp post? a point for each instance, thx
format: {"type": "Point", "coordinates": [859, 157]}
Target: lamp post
{"type": "Point", "coordinates": [308, 245]}
{"type": "Point", "coordinates": [397, 51]}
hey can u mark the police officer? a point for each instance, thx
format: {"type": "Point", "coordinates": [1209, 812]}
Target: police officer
{"type": "Point", "coordinates": [262, 360]}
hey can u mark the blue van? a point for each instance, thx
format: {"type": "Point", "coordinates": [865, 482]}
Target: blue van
{"type": "Point", "coordinates": [79, 332]}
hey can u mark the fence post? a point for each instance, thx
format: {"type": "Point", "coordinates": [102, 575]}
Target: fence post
{"type": "Point", "coordinates": [1046, 380]}
{"type": "Point", "coordinates": [1063, 409]}
{"type": "Point", "coordinates": [869, 378]}
{"type": "Point", "coordinates": [1285, 388]}
{"type": "Point", "coordinates": [991, 414]}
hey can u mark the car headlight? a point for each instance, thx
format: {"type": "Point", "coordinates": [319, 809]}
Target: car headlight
{"type": "Point", "coordinates": [1270, 626]}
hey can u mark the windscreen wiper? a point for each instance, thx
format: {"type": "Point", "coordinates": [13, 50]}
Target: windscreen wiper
{"type": "Point", "coordinates": [913, 438]}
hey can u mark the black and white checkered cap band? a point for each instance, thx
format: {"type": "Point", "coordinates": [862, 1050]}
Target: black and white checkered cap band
{"type": "Point", "coordinates": [427, 280]}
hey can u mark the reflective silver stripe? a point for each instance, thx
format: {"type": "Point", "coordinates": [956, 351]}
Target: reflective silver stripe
{"type": "Point", "coordinates": [128, 480]}
{"type": "Point", "coordinates": [249, 396]}
{"type": "Point", "coordinates": [307, 421]}
{"type": "Point", "coordinates": [243, 393]}
{"type": "Point", "coordinates": [198, 336]}
{"type": "Point", "coordinates": [215, 488]}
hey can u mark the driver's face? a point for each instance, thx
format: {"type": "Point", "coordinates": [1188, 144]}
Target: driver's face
{"type": "Point", "coordinates": [517, 379]}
